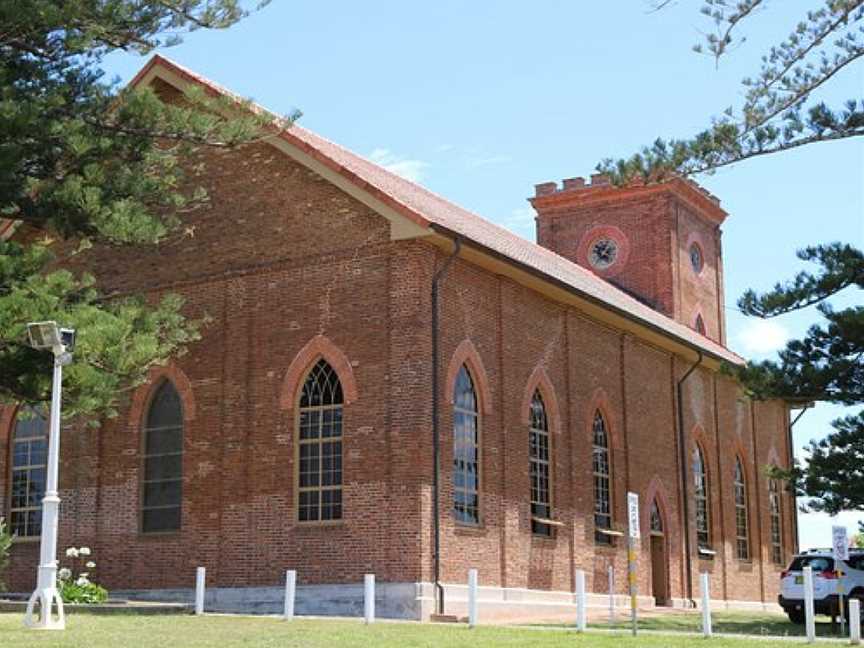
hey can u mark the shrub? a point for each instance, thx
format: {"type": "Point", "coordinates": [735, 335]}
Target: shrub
{"type": "Point", "coordinates": [5, 546]}
{"type": "Point", "coordinates": [79, 588]}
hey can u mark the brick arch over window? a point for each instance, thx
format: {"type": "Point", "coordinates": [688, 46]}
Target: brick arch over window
{"type": "Point", "coordinates": [539, 380]}
{"type": "Point", "coordinates": [658, 492]}
{"type": "Point", "coordinates": [773, 457]}
{"type": "Point", "coordinates": [466, 353]}
{"type": "Point", "coordinates": [317, 348]}
{"type": "Point", "coordinates": [7, 419]}
{"type": "Point", "coordinates": [141, 397]}
{"type": "Point", "coordinates": [600, 403]}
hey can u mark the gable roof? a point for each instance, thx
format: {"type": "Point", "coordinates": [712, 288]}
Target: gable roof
{"type": "Point", "coordinates": [430, 211]}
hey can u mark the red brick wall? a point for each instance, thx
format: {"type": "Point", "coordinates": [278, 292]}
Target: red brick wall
{"type": "Point", "coordinates": [281, 257]}
{"type": "Point", "coordinates": [654, 231]}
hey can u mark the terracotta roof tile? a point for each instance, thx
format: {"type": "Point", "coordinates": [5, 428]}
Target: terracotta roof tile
{"type": "Point", "coordinates": [429, 209]}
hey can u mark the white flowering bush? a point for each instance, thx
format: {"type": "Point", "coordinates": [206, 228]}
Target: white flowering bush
{"type": "Point", "coordinates": [5, 546]}
{"type": "Point", "coordinates": [75, 584]}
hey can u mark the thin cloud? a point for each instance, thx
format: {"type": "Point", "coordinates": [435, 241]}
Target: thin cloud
{"type": "Point", "coordinates": [759, 336]}
{"type": "Point", "coordinates": [408, 168]}
{"type": "Point", "coordinates": [520, 221]}
{"type": "Point", "coordinates": [489, 160]}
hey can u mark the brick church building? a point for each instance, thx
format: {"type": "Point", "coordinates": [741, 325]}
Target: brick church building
{"type": "Point", "coordinates": [364, 330]}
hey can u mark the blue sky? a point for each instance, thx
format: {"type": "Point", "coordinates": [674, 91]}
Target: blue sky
{"type": "Point", "coordinates": [480, 101]}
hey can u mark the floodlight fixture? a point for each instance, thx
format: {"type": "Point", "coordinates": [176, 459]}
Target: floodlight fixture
{"type": "Point", "coordinates": [44, 335]}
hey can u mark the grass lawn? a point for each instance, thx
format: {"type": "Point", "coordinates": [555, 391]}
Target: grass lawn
{"type": "Point", "coordinates": [91, 631]}
{"type": "Point", "coordinates": [751, 623]}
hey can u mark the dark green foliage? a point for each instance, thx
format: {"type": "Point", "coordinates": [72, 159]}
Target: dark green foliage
{"type": "Point", "coordinates": [5, 546]}
{"type": "Point", "coordinates": [833, 478]}
{"type": "Point", "coordinates": [826, 365]}
{"type": "Point", "coordinates": [89, 593]}
{"type": "Point", "coordinates": [780, 110]}
{"type": "Point", "coordinates": [81, 159]}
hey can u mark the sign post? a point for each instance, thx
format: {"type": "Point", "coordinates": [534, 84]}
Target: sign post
{"type": "Point", "coordinates": [632, 538]}
{"type": "Point", "coordinates": [840, 543]}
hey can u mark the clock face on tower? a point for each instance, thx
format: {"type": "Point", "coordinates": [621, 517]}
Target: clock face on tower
{"type": "Point", "coordinates": [603, 253]}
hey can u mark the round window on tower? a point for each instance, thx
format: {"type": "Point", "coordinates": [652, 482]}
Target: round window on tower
{"type": "Point", "coordinates": [603, 253]}
{"type": "Point", "coordinates": [696, 258]}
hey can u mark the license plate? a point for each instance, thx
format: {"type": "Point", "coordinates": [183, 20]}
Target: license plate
{"type": "Point", "coordinates": [799, 580]}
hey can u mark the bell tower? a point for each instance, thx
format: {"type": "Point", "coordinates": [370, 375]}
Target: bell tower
{"type": "Point", "coordinates": [659, 242]}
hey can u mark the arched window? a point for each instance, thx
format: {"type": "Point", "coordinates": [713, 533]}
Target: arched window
{"type": "Point", "coordinates": [29, 462]}
{"type": "Point", "coordinates": [466, 450]}
{"type": "Point", "coordinates": [699, 325]}
{"type": "Point", "coordinates": [319, 441]}
{"type": "Point", "coordinates": [602, 481]}
{"type": "Point", "coordinates": [656, 519]}
{"type": "Point", "coordinates": [700, 489]}
{"type": "Point", "coordinates": [776, 529]}
{"type": "Point", "coordinates": [742, 535]}
{"type": "Point", "coordinates": [162, 482]}
{"type": "Point", "coordinates": [540, 457]}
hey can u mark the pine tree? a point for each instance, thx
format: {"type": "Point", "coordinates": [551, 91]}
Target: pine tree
{"type": "Point", "coordinates": [782, 110]}
{"type": "Point", "coordinates": [84, 161]}
{"type": "Point", "coordinates": [826, 365]}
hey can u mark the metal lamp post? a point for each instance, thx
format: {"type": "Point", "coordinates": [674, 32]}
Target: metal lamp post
{"type": "Point", "coordinates": [61, 342]}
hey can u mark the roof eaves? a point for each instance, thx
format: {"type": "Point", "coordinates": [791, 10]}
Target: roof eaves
{"type": "Point", "coordinates": [729, 357]}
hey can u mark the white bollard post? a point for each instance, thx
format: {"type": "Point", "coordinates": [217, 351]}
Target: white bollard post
{"type": "Point", "coordinates": [290, 590]}
{"type": "Point", "coordinates": [369, 598]}
{"type": "Point", "coordinates": [472, 598]}
{"type": "Point", "coordinates": [611, 574]}
{"type": "Point", "coordinates": [707, 630]}
{"type": "Point", "coordinates": [854, 621]}
{"type": "Point", "coordinates": [581, 603]}
{"type": "Point", "coordinates": [809, 612]}
{"type": "Point", "coordinates": [200, 579]}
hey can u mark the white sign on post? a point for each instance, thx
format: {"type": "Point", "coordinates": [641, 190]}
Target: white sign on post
{"type": "Point", "coordinates": [840, 543]}
{"type": "Point", "coordinates": [633, 514]}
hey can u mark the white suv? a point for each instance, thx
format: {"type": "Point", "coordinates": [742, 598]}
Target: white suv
{"type": "Point", "coordinates": [825, 583]}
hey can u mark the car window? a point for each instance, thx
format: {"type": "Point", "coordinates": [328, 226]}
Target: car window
{"type": "Point", "coordinates": [856, 561]}
{"type": "Point", "coordinates": [818, 563]}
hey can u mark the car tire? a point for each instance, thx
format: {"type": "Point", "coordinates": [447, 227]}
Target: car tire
{"type": "Point", "coordinates": [796, 616]}
{"type": "Point", "coordinates": [857, 594]}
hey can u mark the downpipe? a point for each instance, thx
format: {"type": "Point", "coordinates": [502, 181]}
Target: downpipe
{"type": "Point", "coordinates": [436, 435]}
{"type": "Point", "coordinates": [682, 457]}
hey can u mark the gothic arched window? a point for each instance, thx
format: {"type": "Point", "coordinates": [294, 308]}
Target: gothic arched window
{"type": "Point", "coordinates": [466, 450]}
{"type": "Point", "coordinates": [319, 442]}
{"type": "Point", "coordinates": [700, 490]}
{"type": "Point", "coordinates": [29, 464]}
{"type": "Point", "coordinates": [776, 529]}
{"type": "Point", "coordinates": [742, 535]}
{"type": "Point", "coordinates": [656, 519]}
{"type": "Point", "coordinates": [602, 480]}
{"type": "Point", "coordinates": [162, 481]}
{"type": "Point", "coordinates": [540, 461]}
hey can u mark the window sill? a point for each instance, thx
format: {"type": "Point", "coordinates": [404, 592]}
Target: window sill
{"type": "Point", "coordinates": [159, 535]}
{"type": "Point", "coordinates": [25, 540]}
{"type": "Point", "coordinates": [317, 524]}
{"type": "Point", "coordinates": [469, 529]}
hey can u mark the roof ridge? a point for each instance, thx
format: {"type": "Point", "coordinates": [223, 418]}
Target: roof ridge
{"type": "Point", "coordinates": [432, 208]}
